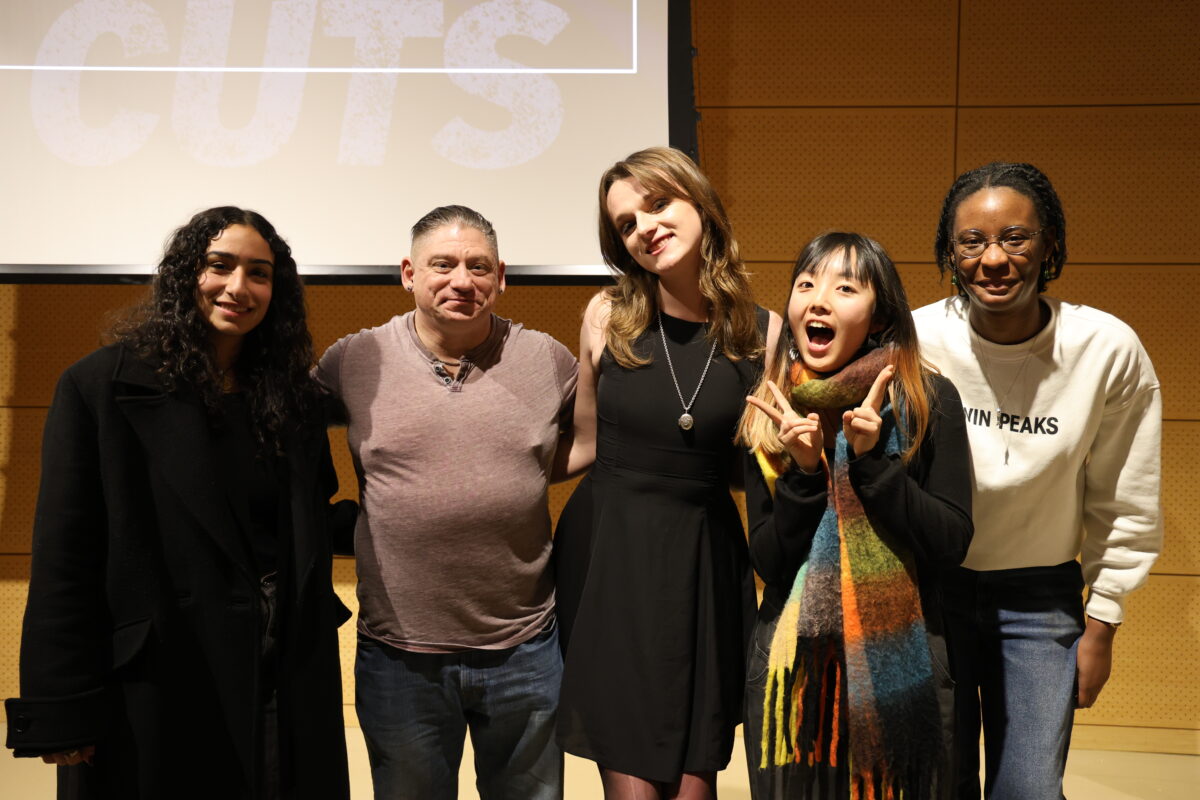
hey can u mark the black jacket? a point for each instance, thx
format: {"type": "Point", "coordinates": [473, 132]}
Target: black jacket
{"type": "Point", "coordinates": [142, 634]}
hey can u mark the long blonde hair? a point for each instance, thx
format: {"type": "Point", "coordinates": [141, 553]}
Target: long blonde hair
{"type": "Point", "coordinates": [724, 281]}
{"type": "Point", "coordinates": [865, 260]}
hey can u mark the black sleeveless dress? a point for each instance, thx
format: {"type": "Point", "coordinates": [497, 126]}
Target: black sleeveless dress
{"type": "Point", "coordinates": [655, 592]}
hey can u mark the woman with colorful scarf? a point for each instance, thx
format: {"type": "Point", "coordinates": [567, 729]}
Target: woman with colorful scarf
{"type": "Point", "coordinates": [858, 496]}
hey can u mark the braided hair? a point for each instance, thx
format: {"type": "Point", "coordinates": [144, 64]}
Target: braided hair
{"type": "Point", "coordinates": [1023, 178]}
{"type": "Point", "coordinates": [275, 358]}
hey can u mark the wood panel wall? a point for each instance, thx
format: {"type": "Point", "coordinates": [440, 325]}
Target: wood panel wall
{"type": "Point", "coordinates": [857, 114]}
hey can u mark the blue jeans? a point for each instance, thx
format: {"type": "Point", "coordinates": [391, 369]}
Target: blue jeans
{"type": "Point", "coordinates": [415, 709]}
{"type": "Point", "coordinates": [1012, 636]}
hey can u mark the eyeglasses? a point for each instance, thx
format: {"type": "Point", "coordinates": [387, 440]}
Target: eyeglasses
{"type": "Point", "coordinates": [1014, 241]}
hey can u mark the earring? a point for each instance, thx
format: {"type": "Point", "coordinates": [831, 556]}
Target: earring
{"type": "Point", "coordinates": [793, 353]}
{"type": "Point", "coordinates": [407, 288]}
{"type": "Point", "coordinates": [954, 278]}
{"type": "Point", "coordinates": [1047, 274]}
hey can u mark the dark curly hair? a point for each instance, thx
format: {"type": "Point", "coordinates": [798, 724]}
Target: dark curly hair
{"type": "Point", "coordinates": [1024, 178]}
{"type": "Point", "coordinates": [275, 358]}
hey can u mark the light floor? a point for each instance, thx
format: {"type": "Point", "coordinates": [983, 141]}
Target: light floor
{"type": "Point", "coordinates": [1091, 775]}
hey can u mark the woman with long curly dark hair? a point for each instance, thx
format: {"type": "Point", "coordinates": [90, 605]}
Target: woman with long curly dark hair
{"type": "Point", "coordinates": [180, 638]}
{"type": "Point", "coordinates": [272, 360]}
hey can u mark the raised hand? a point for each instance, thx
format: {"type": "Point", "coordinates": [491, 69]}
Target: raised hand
{"type": "Point", "coordinates": [861, 425]}
{"type": "Point", "coordinates": [801, 436]}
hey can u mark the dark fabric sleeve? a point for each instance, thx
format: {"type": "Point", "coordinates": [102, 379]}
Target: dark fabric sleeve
{"type": "Point", "coordinates": [927, 504]}
{"type": "Point", "coordinates": [66, 639]}
{"type": "Point", "coordinates": [341, 516]}
{"type": "Point", "coordinates": [782, 527]}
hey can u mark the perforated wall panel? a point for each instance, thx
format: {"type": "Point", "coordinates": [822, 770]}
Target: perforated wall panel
{"type": "Point", "coordinates": [21, 442]}
{"type": "Point", "coordinates": [46, 329]}
{"type": "Point", "coordinates": [824, 53]}
{"type": "Point", "coordinates": [1126, 175]}
{"type": "Point", "coordinates": [1181, 500]}
{"type": "Point", "coordinates": [1071, 52]}
{"type": "Point", "coordinates": [1156, 659]}
{"type": "Point", "coordinates": [785, 175]}
{"type": "Point", "coordinates": [14, 582]}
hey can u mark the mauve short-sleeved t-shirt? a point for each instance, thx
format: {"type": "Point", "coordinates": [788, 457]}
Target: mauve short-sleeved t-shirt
{"type": "Point", "coordinates": [453, 539]}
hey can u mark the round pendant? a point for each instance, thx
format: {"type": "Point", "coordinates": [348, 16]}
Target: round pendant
{"type": "Point", "coordinates": [686, 421]}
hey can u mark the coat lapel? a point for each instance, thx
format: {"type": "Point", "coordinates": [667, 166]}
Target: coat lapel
{"type": "Point", "coordinates": [174, 432]}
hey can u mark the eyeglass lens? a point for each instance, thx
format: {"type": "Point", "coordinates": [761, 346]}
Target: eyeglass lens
{"type": "Point", "coordinates": [972, 244]}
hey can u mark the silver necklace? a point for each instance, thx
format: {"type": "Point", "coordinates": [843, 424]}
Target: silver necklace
{"type": "Point", "coordinates": [686, 421]}
{"type": "Point", "coordinates": [1000, 401]}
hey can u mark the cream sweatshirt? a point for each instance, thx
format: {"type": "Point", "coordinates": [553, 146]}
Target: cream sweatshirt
{"type": "Point", "coordinates": [1065, 433]}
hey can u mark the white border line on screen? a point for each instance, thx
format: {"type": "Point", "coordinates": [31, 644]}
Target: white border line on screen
{"type": "Point", "coordinates": [631, 70]}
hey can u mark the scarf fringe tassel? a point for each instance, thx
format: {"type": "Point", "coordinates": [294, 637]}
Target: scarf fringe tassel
{"type": "Point", "coordinates": [792, 736]}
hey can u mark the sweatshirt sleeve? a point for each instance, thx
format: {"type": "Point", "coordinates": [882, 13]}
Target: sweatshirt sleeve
{"type": "Point", "coordinates": [928, 503]}
{"type": "Point", "coordinates": [782, 527]}
{"type": "Point", "coordinates": [1122, 516]}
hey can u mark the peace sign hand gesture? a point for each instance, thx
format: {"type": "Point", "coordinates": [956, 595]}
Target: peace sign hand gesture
{"type": "Point", "coordinates": [801, 436]}
{"type": "Point", "coordinates": [861, 425]}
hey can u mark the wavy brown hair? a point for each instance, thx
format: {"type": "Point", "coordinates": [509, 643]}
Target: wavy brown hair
{"type": "Point", "coordinates": [866, 261]}
{"type": "Point", "coordinates": [275, 358]}
{"type": "Point", "coordinates": [724, 281]}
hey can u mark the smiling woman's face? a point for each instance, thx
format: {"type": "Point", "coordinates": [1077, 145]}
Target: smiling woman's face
{"type": "Point", "coordinates": [233, 291]}
{"type": "Point", "coordinates": [997, 281]}
{"type": "Point", "coordinates": [661, 232]}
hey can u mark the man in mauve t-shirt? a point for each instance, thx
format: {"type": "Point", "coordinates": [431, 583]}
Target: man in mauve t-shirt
{"type": "Point", "coordinates": [455, 416]}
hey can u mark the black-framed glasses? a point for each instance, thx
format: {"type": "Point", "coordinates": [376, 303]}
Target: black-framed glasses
{"type": "Point", "coordinates": [1014, 241]}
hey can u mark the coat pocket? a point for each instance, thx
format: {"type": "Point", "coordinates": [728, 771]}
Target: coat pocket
{"type": "Point", "coordinates": [129, 640]}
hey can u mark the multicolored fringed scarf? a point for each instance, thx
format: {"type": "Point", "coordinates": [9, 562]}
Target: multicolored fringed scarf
{"type": "Point", "coordinates": [852, 624]}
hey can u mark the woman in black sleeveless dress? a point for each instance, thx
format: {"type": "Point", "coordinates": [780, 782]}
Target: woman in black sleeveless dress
{"type": "Point", "coordinates": [655, 592]}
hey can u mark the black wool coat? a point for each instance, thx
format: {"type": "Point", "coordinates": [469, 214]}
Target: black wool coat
{"type": "Point", "coordinates": [142, 633]}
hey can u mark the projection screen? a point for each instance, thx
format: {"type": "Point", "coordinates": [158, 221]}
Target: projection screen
{"type": "Point", "coordinates": [343, 121]}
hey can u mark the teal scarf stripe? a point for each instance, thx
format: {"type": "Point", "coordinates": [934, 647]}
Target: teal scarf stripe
{"type": "Point", "coordinates": [895, 658]}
